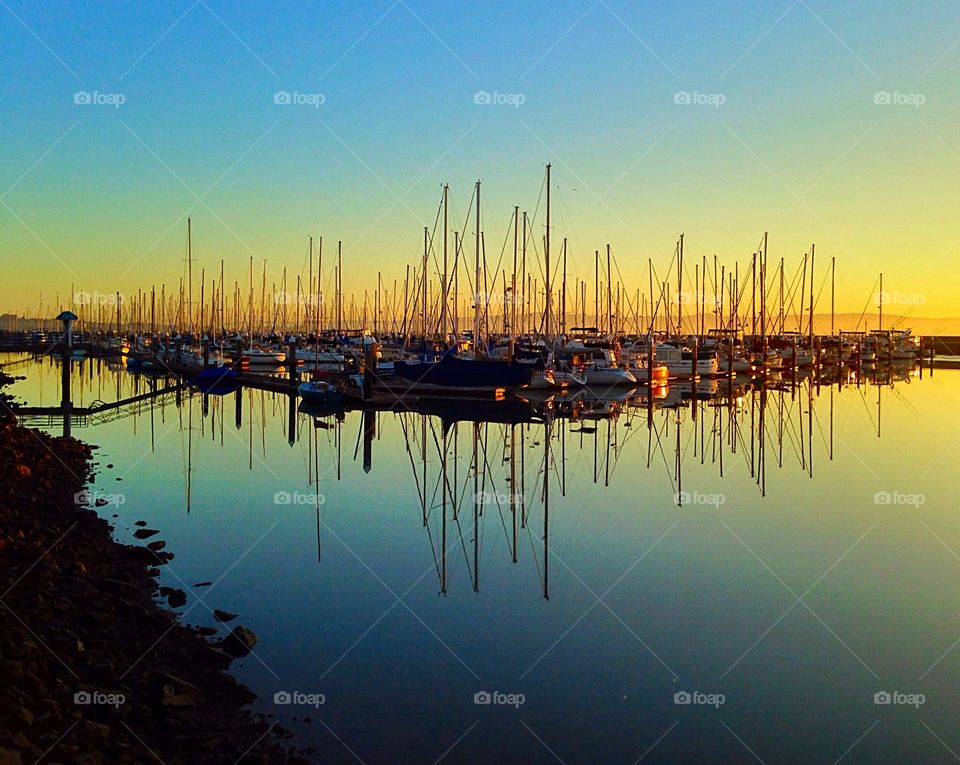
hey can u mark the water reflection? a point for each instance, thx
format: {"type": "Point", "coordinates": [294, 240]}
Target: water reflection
{"type": "Point", "coordinates": [478, 466]}
{"type": "Point", "coordinates": [585, 550]}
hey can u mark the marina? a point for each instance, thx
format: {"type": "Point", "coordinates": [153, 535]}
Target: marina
{"type": "Point", "coordinates": [498, 505]}
{"type": "Point", "coordinates": [428, 383]}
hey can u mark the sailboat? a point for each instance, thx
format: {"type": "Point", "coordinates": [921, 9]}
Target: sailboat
{"type": "Point", "coordinates": [320, 391]}
{"type": "Point", "coordinates": [477, 374]}
{"type": "Point", "coordinates": [450, 371]}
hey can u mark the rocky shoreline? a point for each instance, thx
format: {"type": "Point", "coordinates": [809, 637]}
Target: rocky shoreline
{"type": "Point", "coordinates": [92, 668]}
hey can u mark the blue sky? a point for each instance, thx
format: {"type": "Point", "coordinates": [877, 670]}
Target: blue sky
{"type": "Point", "coordinates": [97, 196]}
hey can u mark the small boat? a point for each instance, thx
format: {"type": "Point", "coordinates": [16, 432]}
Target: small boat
{"type": "Point", "coordinates": [543, 380]}
{"type": "Point", "coordinates": [264, 358]}
{"type": "Point", "coordinates": [568, 377]}
{"type": "Point", "coordinates": [680, 362]}
{"type": "Point", "coordinates": [214, 376]}
{"type": "Point", "coordinates": [660, 376]}
{"type": "Point", "coordinates": [216, 380]}
{"type": "Point", "coordinates": [462, 374]}
{"type": "Point", "coordinates": [600, 376]}
{"type": "Point", "coordinates": [320, 391]}
{"type": "Point", "coordinates": [320, 410]}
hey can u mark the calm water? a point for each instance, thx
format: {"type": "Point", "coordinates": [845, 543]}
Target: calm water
{"type": "Point", "coordinates": [815, 562]}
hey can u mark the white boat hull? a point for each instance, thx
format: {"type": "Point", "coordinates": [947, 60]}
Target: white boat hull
{"type": "Point", "coordinates": [611, 376]}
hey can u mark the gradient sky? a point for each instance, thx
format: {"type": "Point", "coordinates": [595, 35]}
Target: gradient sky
{"type": "Point", "coordinates": [96, 197]}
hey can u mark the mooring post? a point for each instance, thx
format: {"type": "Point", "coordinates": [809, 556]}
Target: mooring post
{"type": "Point", "coordinates": [66, 403]}
{"type": "Point", "coordinates": [292, 359]}
{"type": "Point", "coordinates": [238, 353]}
{"type": "Point", "coordinates": [369, 369]}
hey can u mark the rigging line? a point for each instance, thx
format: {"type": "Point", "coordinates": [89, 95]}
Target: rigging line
{"type": "Point", "coordinates": [413, 467]}
{"type": "Point", "coordinates": [569, 221]}
{"type": "Point", "coordinates": [463, 544]}
{"type": "Point", "coordinates": [907, 405]}
{"type": "Point", "coordinates": [533, 549]}
{"type": "Point", "coordinates": [663, 455]}
{"type": "Point", "coordinates": [866, 406]}
{"type": "Point", "coordinates": [488, 473]}
{"type": "Point", "coordinates": [865, 307]}
{"type": "Point", "coordinates": [903, 316]}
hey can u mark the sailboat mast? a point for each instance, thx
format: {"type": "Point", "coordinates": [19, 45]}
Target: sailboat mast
{"type": "Point", "coordinates": [880, 302]}
{"type": "Point", "coordinates": [812, 255]}
{"type": "Point", "coordinates": [319, 313]}
{"type": "Point", "coordinates": [444, 296]}
{"type": "Point", "coordinates": [833, 287]}
{"type": "Point", "coordinates": [680, 287]}
{"type": "Point", "coordinates": [190, 274]}
{"type": "Point", "coordinates": [563, 293]}
{"type": "Point", "coordinates": [523, 276]}
{"type": "Point", "coordinates": [763, 298]}
{"type": "Point", "coordinates": [476, 281]}
{"type": "Point", "coordinates": [339, 287]}
{"type": "Point", "coordinates": [424, 277]}
{"type": "Point", "coordinates": [548, 326]}
{"type": "Point", "coordinates": [609, 298]}
{"type": "Point", "coordinates": [513, 282]}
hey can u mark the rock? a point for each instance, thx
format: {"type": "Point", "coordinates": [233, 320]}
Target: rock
{"type": "Point", "coordinates": [174, 595]}
{"type": "Point", "coordinates": [220, 657]}
{"type": "Point", "coordinates": [97, 729]}
{"type": "Point", "coordinates": [239, 642]}
{"type": "Point", "coordinates": [145, 533]}
{"type": "Point", "coordinates": [10, 671]}
{"type": "Point", "coordinates": [157, 545]}
{"type": "Point", "coordinates": [139, 523]}
{"type": "Point", "coordinates": [24, 716]}
{"type": "Point", "coordinates": [206, 631]}
{"type": "Point", "coordinates": [10, 757]}
{"type": "Point", "coordinates": [177, 700]}
{"type": "Point", "coordinates": [203, 584]}
{"type": "Point", "coordinates": [223, 616]}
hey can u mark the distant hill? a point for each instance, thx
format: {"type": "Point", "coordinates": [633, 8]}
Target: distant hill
{"type": "Point", "coordinates": [919, 324]}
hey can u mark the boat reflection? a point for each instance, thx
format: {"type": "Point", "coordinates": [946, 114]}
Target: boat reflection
{"type": "Point", "coordinates": [481, 466]}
